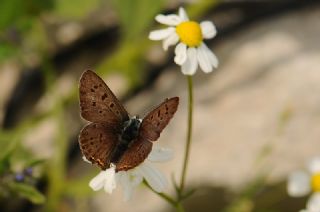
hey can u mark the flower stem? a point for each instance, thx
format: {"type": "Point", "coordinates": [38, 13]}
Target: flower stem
{"type": "Point", "coordinates": [162, 195]}
{"type": "Point", "coordinates": [189, 135]}
{"type": "Point", "coordinates": [179, 207]}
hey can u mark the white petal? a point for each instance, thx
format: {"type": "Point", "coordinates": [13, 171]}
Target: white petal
{"type": "Point", "coordinates": [98, 181]}
{"type": "Point", "coordinates": [298, 184]}
{"type": "Point", "coordinates": [191, 64]}
{"type": "Point", "coordinates": [171, 20]}
{"type": "Point", "coordinates": [313, 204]}
{"type": "Point", "coordinates": [204, 58]}
{"type": "Point", "coordinates": [125, 184]}
{"type": "Point", "coordinates": [171, 40]}
{"type": "Point", "coordinates": [213, 59]}
{"type": "Point", "coordinates": [183, 15]}
{"type": "Point", "coordinates": [86, 160]}
{"type": "Point", "coordinates": [129, 181]}
{"type": "Point", "coordinates": [110, 180]}
{"type": "Point", "coordinates": [160, 154]}
{"type": "Point", "coordinates": [154, 177]}
{"type": "Point", "coordinates": [208, 29]}
{"type": "Point", "coordinates": [181, 53]}
{"type": "Point", "coordinates": [314, 165]}
{"type": "Point", "coordinates": [161, 33]}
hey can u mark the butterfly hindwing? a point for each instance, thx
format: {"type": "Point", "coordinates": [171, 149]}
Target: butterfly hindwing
{"type": "Point", "coordinates": [156, 120]}
{"type": "Point", "coordinates": [98, 103]}
{"type": "Point", "coordinates": [97, 142]}
{"type": "Point", "coordinates": [137, 152]}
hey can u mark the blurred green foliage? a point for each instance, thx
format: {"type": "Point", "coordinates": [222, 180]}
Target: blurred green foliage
{"type": "Point", "coordinates": [14, 12]}
{"type": "Point", "coordinates": [136, 16]}
{"type": "Point", "coordinates": [75, 9]}
{"type": "Point", "coordinates": [17, 17]}
{"type": "Point", "coordinates": [14, 160]}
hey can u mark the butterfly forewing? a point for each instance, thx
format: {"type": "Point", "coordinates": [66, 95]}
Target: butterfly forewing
{"type": "Point", "coordinates": [135, 154]}
{"type": "Point", "coordinates": [153, 124]}
{"type": "Point", "coordinates": [98, 103]}
{"type": "Point", "coordinates": [97, 141]}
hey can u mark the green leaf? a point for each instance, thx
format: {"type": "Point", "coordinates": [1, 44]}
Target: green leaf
{"type": "Point", "coordinates": [188, 194]}
{"type": "Point", "coordinates": [27, 191]}
{"type": "Point", "coordinates": [175, 184]}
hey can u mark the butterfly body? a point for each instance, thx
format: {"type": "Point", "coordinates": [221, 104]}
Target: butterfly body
{"type": "Point", "coordinates": [128, 135]}
{"type": "Point", "coordinates": [113, 137]}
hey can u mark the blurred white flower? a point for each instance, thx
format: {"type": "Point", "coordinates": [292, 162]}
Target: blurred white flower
{"type": "Point", "coordinates": [301, 183]}
{"type": "Point", "coordinates": [191, 50]}
{"type": "Point", "coordinates": [313, 204]}
{"type": "Point", "coordinates": [130, 179]}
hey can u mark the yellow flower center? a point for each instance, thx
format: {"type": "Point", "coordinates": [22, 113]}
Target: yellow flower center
{"type": "Point", "coordinates": [315, 182]}
{"type": "Point", "coordinates": [189, 33]}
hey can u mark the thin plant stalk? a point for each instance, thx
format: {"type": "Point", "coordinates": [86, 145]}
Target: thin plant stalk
{"type": "Point", "coordinates": [162, 195]}
{"type": "Point", "coordinates": [189, 136]}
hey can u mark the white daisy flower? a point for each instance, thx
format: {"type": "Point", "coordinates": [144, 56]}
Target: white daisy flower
{"type": "Point", "coordinates": [130, 179]}
{"type": "Point", "coordinates": [313, 204]}
{"type": "Point", "coordinates": [191, 50]}
{"type": "Point", "coordinates": [301, 183]}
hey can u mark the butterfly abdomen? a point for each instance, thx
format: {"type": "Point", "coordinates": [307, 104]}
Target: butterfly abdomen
{"type": "Point", "coordinates": [128, 135]}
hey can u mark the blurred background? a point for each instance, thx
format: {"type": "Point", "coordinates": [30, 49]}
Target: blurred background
{"type": "Point", "coordinates": [256, 117]}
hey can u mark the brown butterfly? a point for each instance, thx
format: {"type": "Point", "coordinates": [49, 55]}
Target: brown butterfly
{"type": "Point", "coordinates": [113, 137]}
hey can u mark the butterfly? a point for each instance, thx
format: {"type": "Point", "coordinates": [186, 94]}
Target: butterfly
{"type": "Point", "coordinates": [113, 137]}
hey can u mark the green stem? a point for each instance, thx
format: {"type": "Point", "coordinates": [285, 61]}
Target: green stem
{"type": "Point", "coordinates": [179, 207]}
{"type": "Point", "coordinates": [162, 195]}
{"type": "Point", "coordinates": [189, 135]}
{"type": "Point", "coordinates": [57, 167]}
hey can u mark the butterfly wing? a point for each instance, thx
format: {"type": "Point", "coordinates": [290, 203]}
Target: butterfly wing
{"type": "Point", "coordinates": [98, 103]}
{"type": "Point", "coordinates": [156, 120]}
{"type": "Point", "coordinates": [137, 152]}
{"type": "Point", "coordinates": [97, 141]}
{"type": "Point", "coordinates": [150, 129]}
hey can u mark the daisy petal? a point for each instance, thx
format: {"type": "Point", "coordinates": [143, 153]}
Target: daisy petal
{"type": "Point", "coordinates": [98, 181]}
{"type": "Point", "coordinates": [314, 165]}
{"type": "Point", "coordinates": [154, 177]}
{"type": "Point", "coordinates": [171, 40]}
{"type": "Point", "coordinates": [110, 179]}
{"type": "Point", "coordinates": [208, 29]}
{"type": "Point", "coordinates": [170, 20]}
{"type": "Point", "coordinates": [183, 15]}
{"type": "Point", "coordinates": [134, 178]}
{"type": "Point", "coordinates": [298, 184]}
{"type": "Point", "coordinates": [181, 53]}
{"type": "Point", "coordinates": [204, 58]}
{"type": "Point", "coordinates": [161, 33]}
{"type": "Point", "coordinates": [313, 204]}
{"type": "Point", "coordinates": [126, 186]}
{"type": "Point", "coordinates": [191, 64]}
{"type": "Point", "coordinates": [160, 154]}
{"type": "Point", "coordinates": [213, 59]}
